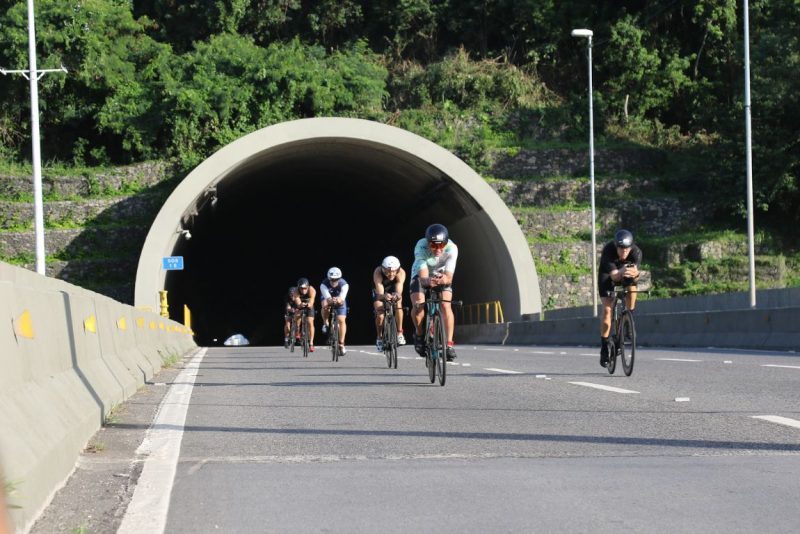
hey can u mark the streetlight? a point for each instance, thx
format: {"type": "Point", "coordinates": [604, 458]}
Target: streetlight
{"type": "Point", "coordinates": [593, 256]}
{"type": "Point", "coordinates": [33, 76]}
{"type": "Point", "coordinates": [751, 255]}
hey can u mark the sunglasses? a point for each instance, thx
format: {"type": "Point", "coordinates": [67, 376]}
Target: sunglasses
{"type": "Point", "coordinates": [436, 246]}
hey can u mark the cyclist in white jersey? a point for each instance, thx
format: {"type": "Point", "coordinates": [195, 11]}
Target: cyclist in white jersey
{"type": "Point", "coordinates": [435, 257]}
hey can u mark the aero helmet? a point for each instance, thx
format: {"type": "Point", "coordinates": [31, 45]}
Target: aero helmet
{"type": "Point", "coordinates": [623, 238]}
{"type": "Point", "coordinates": [390, 262]}
{"type": "Point", "coordinates": [437, 233]}
{"type": "Point", "coordinates": [334, 273]}
{"type": "Point", "coordinates": [302, 283]}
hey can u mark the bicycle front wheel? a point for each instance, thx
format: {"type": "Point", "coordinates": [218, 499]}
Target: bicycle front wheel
{"type": "Point", "coordinates": [304, 336]}
{"type": "Point", "coordinates": [441, 345]}
{"type": "Point", "coordinates": [627, 341]}
{"type": "Point", "coordinates": [387, 344]}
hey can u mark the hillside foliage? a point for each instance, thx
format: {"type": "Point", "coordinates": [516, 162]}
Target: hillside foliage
{"type": "Point", "coordinates": [167, 79]}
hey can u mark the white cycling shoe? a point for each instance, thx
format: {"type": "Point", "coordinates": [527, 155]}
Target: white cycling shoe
{"type": "Point", "coordinates": [401, 339]}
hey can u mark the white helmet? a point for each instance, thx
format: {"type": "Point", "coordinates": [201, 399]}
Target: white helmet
{"type": "Point", "coordinates": [334, 273]}
{"type": "Point", "coordinates": [390, 262]}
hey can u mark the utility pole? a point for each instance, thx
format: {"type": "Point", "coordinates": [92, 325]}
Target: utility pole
{"type": "Point", "coordinates": [33, 75]}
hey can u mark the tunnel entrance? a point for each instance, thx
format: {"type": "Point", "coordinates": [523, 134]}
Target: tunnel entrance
{"type": "Point", "coordinates": [265, 213]}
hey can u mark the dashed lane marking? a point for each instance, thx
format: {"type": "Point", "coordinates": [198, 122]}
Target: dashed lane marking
{"type": "Point", "coordinates": [504, 371]}
{"type": "Point", "coordinates": [794, 423]}
{"type": "Point", "coordinates": [782, 366]}
{"type": "Point", "coordinates": [604, 388]}
{"type": "Point", "coordinates": [677, 360]}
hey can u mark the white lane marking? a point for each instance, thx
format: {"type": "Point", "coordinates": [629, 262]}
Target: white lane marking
{"type": "Point", "coordinates": [587, 354]}
{"type": "Point", "coordinates": [682, 399]}
{"type": "Point", "coordinates": [604, 388]}
{"type": "Point", "coordinates": [495, 350]}
{"type": "Point", "coordinates": [466, 365]}
{"type": "Point", "coordinates": [677, 360]}
{"type": "Point", "coordinates": [372, 353]}
{"type": "Point", "coordinates": [778, 419]}
{"type": "Point", "coordinates": [147, 511]}
{"type": "Point", "coordinates": [504, 371]}
{"type": "Point", "coordinates": [541, 352]}
{"type": "Point", "coordinates": [453, 363]}
{"type": "Point", "coordinates": [727, 361]}
{"type": "Point", "coordinates": [782, 366]}
{"type": "Point", "coordinates": [407, 357]}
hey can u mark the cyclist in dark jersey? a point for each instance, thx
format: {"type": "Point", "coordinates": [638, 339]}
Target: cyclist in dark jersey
{"type": "Point", "coordinates": [619, 265]}
{"type": "Point", "coordinates": [304, 298]}
{"type": "Point", "coordinates": [288, 313]}
{"type": "Point", "coordinates": [387, 282]}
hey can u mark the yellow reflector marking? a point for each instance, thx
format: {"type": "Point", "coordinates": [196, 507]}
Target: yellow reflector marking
{"type": "Point", "coordinates": [90, 324]}
{"type": "Point", "coordinates": [23, 326]}
{"type": "Point", "coordinates": [122, 324]}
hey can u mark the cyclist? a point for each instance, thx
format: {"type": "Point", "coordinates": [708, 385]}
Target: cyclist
{"type": "Point", "coordinates": [288, 313]}
{"type": "Point", "coordinates": [619, 265]}
{"type": "Point", "coordinates": [387, 283]}
{"type": "Point", "coordinates": [435, 257]}
{"type": "Point", "coordinates": [334, 294]}
{"type": "Point", "coordinates": [304, 298]}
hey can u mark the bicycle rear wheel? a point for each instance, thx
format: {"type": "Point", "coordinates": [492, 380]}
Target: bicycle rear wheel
{"type": "Point", "coordinates": [430, 355]}
{"type": "Point", "coordinates": [627, 341]}
{"type": "Point", "coordinates": [292, 333]}
{"type": "Point", "coordinates": [390, 343]}
{"type": "Point", "coordinates": [304, 337]}
{"type": "Point", "coordinates": [612, 354]}
{"type": "Point", "coordinates": [441, 347]}
{"type": "Point", "coordinates": [334, 340]}
{"type": "Point", "coordinates": [386, 335]}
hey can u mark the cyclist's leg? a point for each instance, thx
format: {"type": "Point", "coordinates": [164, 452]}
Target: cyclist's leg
{"type": "Point", "coordinates": [630, 298]}
{"type": "Point", "coordinates": [325, 315]}
{"type": "Point", "coordinates": [311, 331]}
{"type": "Point", "coordinates": [417, 313]}
{"type": "Point", "coordinates": [341, 318]}
{"type": "Point", "coordinates": [398, 318]}
{"type": "Point", "coordinates": [449, 322]}
{"type": "Point", "coordinates": [379, 318]}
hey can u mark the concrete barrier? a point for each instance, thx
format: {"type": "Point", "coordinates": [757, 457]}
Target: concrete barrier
{"type": "Point", "coordinates": [67, 357]}
{"type": "Point", "coordinates": [774, 329]}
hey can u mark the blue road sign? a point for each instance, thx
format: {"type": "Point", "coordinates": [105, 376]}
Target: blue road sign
{"type": "Point", "coordinates": [173, 263]}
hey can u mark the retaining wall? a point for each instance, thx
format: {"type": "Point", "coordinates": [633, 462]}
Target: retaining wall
{"type": "Point", "coordinates": [769, 329]}
{"type": "Point", "coordinates": [67, 357]}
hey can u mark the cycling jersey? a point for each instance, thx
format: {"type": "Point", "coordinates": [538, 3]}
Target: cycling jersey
{"type": "Point", "coordinates": [423, 255]}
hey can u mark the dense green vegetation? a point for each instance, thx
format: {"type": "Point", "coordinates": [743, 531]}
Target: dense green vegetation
{"type": "Point", "coordinates": [161, 79]}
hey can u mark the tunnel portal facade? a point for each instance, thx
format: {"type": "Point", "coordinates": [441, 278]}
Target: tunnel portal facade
{"type": "Point", "coordinates": [294, 199]}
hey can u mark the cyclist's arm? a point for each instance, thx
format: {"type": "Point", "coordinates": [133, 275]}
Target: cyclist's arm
{"type": "Point", "coordinates": [312, 295]}
{"type": "Point", "coordinates": [399, 282]}
{"type": "Point", "coordinates": [323, 289]}
{"type": "Point", "coordinates": [343, 293]}
{"type": "Point", "coordinates": [377, 282]}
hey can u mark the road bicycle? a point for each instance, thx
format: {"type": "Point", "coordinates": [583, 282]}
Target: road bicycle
{"type": "Point", "coordinates": [435, 336]}
{"type": "Point", "coordinates": [390, 334]}
{"type": "Point", "coordinates": [333, 335]}
{"type": "Point", "coordinates": [622, 340]}
{"type": "Point", "coordinates": [304, 340]}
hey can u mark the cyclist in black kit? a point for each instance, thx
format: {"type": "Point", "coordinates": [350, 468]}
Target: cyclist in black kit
{"type": "Point", "coordinates": [619, 265]}
{"type": "Point", "coordinates": [304, 298]}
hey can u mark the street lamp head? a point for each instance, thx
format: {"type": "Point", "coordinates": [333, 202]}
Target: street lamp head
{"type": "Point", "coordinates": [582, 33]}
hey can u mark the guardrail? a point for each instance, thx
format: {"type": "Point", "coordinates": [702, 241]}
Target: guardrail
{"type": "Point", "coordinates": [480, 313]}
{"type": "Point", "coordinates": [67, 357]}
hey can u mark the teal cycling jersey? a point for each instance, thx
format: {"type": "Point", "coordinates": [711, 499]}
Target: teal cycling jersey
{"type": "Point", "coordinates": [423, 255]}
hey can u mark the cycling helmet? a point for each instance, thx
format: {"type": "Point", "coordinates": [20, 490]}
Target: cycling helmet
{"type": "Point", "coordinates": [302, 283]}
{"type": "Point", "coordinates": [623, 238]}
{"type": "Point", "coordinates": [390, 262]}
{"type": "Point", "coordinates": [437, 233]}
{"type": "Point", "coordinates": [334, 273]}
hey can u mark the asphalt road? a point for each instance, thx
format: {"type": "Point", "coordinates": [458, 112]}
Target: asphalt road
{"type": "Point", "coordinates": [521, 439]}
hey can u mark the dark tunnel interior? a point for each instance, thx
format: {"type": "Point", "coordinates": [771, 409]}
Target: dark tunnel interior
{"type": "Point", "coordinates": [295, 213]}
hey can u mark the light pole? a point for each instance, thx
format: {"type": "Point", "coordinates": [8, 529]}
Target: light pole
{"type": "Point", "coordinates": [593, 256]}
{"type": "Point", "coordinates": [751, 255]}
{"type": "Point", "coordinates": [33, 76]}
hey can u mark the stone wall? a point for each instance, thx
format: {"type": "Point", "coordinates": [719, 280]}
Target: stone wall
{"type": "Point", "coordinates": [570, 162]}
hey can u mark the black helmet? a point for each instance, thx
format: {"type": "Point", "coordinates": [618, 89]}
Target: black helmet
{"type": "Point", "coordinates": [437, 233]}
{"type": "Point", "coordinates": [303, 282]}
{"type": "Point", "coordinates": [623, 238]}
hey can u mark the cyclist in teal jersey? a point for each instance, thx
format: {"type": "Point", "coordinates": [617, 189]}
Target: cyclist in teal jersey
{"type": "Point", "coordinates": [435, 257]}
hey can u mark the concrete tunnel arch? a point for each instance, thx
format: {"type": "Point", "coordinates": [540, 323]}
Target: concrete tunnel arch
{"type": "Point", "coordinates": [292, 199]}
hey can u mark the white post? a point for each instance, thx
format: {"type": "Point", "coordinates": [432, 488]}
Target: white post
{"type": "Point", "coordinates": [38, 209]}
{"type": "Point", "coordinates": [33, 75]}
{"type": "Point", "coordinates": [749, 160]}
{"type": "Point", "coordinates": [593, 256]}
